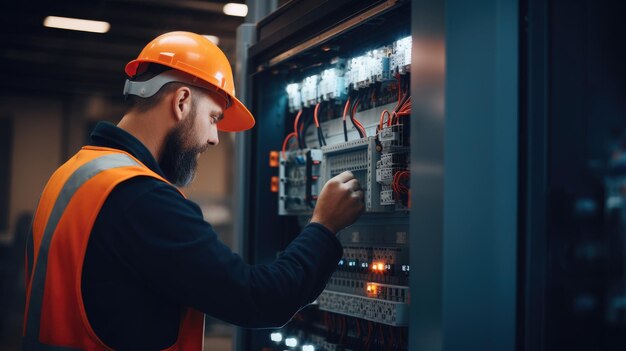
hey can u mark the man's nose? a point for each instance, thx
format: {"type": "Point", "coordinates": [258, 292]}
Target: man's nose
{"type": "Point", "coordinates": [214, 138]}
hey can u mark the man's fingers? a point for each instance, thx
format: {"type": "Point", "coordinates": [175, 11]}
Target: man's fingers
{"type": "Point", "coordinates": [360, 194]}
{"type": "Point", "coordinates": [344, 176]}
{"type": "Point", "coordinates": [354, 184]}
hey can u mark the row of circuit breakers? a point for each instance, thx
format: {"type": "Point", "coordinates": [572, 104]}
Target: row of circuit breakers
{"type": "Point", "coordinates": [354, 116]}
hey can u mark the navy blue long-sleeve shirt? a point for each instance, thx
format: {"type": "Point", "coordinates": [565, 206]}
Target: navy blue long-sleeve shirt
{"type": "Point", "coordinates": [151, 252]}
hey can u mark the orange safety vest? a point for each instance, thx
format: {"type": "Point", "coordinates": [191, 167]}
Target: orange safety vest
{"type": "Point", "coordinates": [55, 317]}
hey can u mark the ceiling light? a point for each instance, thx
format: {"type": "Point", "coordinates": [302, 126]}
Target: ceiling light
{"type": "Point", "coordinates": [76, 24]}
{"type": "Point", "coordinates": [235, 9]}
{"type": "Point", "coordinates": [213, 39]}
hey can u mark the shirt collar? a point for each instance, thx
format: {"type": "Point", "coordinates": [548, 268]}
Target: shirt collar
{"type": "Point", "coordinates": [109, 135]}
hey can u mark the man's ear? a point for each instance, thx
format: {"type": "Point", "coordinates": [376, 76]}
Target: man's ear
{"type": "Point", "coordinates": [181, 103]}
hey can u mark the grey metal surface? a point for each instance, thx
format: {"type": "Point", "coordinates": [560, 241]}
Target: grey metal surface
{"type": "Point", "coordinates": [427, 174]}
{"type": "Point", "coordinates": [480, 184]}
{"type": "Point", "coordinates": [257, 10]}
{"type": "Point", "coordinates": [246, 37]}
{"type": "Point", "coordinates": [534, 178]}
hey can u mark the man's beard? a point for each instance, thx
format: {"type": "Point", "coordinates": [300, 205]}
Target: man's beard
{"type": "Point", "coordinates": [178, 161]}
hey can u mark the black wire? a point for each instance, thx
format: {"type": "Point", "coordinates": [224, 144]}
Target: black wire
{"type": "Point", "coordinates": [407, 83]}
{"type": "Point", "coordinates": [345, 130]}
{"type": "Point", "coordinates": [319, 137]}
{"type": "Point", "coordinates": [403, 100]}
{"type": "Point", "coordinates": [302, 134]}
{"type": "Point", "coordinates": [345, 126]}
{"type": "Point", "coordinates": [320, 134]}
{"type": "Point", "coordinates": [352, 116]}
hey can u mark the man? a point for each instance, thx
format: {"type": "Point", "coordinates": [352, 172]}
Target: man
{"type": "Point", "coordinates": [120, 259]}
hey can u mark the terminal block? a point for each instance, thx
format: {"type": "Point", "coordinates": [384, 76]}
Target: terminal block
{"type": "Point", "coordinates": [396, 293]}
{"type": "Point", "coordinates": [299, 181]}
{"type": "Point", "coordinates": [359, 157]}
{"type": "Point", "coordinates": [386, 196]}
{"type": "Point", "coordinates": [393, 137]}
{"type": "Point", "coordinates": [391, 159]}
{"type": "Point", "coordinates": [373, 309]}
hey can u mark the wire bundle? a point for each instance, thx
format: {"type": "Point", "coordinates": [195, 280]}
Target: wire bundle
{"type": "Point", "coordinates": [320, 133]}
{"type": "Point", "coordinates": [355, 122]}
{"type": "Point", "coordinates": [345, 113]}
{"type": "Point", "coordinates": [399, 181]}
{"type": "Point", "coordinates": [360, 334]}
{"type": "Point", "coordinates": [402, 108]}
{"type": "Point", "coordinates": [295, 134]}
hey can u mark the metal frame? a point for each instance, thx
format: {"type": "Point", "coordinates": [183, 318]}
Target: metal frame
{"type": "Point", "coordinates": [427, 176]}
{"type": "Point", "coordinates": [533, 175]}
{"type": "Point", "coordinates": [246, 35]}
{"type": "Point", "coordinates": [335, 31]}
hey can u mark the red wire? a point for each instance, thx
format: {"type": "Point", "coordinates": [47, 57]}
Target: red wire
{"type": "Point", "coordinates": [343, 329]}
{"type": "Point", "coordinates": [355, 107]}
{"type": "Point", "coordinates": [295, 122]}
{"type": "Point", "coordinates": [362, 129]}
{"type": "Point", "coordinates": [404, 110]}
{"type": "Point", "coordinates": [390, 120]}
{"type": "Point", "coordinates": [346, 109]}
{"type": "Point", "coordinates": [397, 186]}
{"type": "Point", "coordinates": [369, 334]}
{"type": "Point", "coordinates": [382, 119]}
{"type": "Point", "coordinates": [360, 126]}
{"type": "Point", "coordinates": [356, 121]}
{"type": "Point", "coordinates": [302, 129]}
{"type": "Point", "coordinates": [317, 107]}
{"type": "Point", "coordinates": [289, 136]}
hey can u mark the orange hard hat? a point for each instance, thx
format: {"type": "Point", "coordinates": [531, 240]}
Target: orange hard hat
{"type": "Point", "coordinates": [197, 56]}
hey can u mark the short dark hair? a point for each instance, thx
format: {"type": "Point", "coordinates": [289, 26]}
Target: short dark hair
{"type": "Point", "coordinates": [141, 104]}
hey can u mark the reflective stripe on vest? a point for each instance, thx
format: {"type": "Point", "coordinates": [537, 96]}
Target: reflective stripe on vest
{"type": "Point", "coordinates": [76, 180]}
{"type": "Point", "coordinates": [90, 162]}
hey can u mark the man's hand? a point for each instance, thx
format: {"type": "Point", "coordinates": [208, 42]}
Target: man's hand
{"type": "Point", "coordinates": [340, 203]}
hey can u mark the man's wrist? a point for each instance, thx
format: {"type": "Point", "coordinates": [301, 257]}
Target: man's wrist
{"type": "Point", "coordinates": [329, 228]}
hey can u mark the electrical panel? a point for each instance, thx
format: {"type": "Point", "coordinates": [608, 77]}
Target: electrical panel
{"type": "Point", "coordinates": [373, 145]}
{"type": "Point", "coordinates": [345, 105]}
{"type": "Point", "coordinates": [362, 128]}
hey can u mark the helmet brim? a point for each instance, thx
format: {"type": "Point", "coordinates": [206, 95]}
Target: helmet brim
{"type": "Point", "coordinates": [237, 118]}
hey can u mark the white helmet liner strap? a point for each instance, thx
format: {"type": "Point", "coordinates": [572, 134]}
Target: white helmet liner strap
{"type": "Point", "coordinates": [154, 84]}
